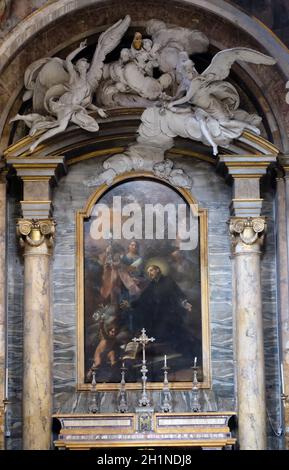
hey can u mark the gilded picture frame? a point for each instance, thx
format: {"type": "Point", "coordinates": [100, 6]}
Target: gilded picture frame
{"type": "Point", "coordinates": [86, 273]}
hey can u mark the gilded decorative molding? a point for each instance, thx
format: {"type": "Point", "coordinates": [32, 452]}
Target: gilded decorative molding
{"type": "Point", "coordinates": [248, 230]}
{"type": "Point", "coordinates": [34, 232]}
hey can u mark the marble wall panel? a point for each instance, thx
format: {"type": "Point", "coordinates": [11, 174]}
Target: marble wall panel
{"type": "Point", "coordinates": [15, 328]}
{"type": "Point", "coordinates": [270, 321]}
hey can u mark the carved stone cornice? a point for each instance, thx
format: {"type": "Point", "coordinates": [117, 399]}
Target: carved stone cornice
{"type": "Point", "coordinates": [35, 232]}
{"type": "Point", "coordinates": [249, 231]}
{"type": "Point", "coordinates": [247, 166]}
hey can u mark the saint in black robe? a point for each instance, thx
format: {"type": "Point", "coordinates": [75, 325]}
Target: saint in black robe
{"type": "Point", "coordinates": [160, 310]}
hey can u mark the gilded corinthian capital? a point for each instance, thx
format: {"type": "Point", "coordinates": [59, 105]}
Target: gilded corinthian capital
{"type": "Point", "coordinates": [249, 230]}
{"type": "Point", "coordinates": [35, 232]}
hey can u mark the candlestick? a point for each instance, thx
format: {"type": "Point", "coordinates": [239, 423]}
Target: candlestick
{"type": "Point", "coordinates": [166, 398]}
{"type": "Point", "coordinates": [122, 405]}
{"type": "Point", "coordinates": [195, 393]}
{"type": "Point", "coordinates": [93, 407]}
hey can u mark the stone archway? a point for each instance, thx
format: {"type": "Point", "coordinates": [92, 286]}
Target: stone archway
{"type": "Point", "coordinates": [54, 22]}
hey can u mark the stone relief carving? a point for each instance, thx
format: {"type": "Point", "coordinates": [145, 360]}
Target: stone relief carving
{"type": "Point", "coordinates": [181, 102]}
{"type": "Point", "coordinates": [62, 92]}
{"type": "Point", "coordinates": [34, 232]}
{"type": "Point", "coordinates": [138, 158]}
{"type": "Point", "coordinates": [213, 116]}
{"type": "Point", "coordinates": [130, 82]}
{"type": "Point", "coordinates": [148, 154]}
{"type": "Point", "coordinates": [176, 176]}
{"type": "Point", "coordinates": [247, 230]}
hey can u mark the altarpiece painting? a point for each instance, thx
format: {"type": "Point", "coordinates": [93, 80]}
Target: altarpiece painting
{"type": "Point", "coordinates": [146, 279]}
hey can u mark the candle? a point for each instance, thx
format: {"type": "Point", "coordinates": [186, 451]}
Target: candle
{"type": "Point", "coordinates": [195, 362]}
{"type": "Point", "coordinates": [165, 361]}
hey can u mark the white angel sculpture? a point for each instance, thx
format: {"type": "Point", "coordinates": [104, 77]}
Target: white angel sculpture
{"type": "Point", "coordinates": [172, 40]}
{"type": "Point", "coordinates": [215, 103]}
{"type": "Point", "coordinates": [130, 81]}
{"type": "Point", "coordinates": [62, 92]}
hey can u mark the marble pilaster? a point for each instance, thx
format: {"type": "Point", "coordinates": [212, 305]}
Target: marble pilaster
{"type": "Point", "coordinates": [247, 235]}
{"type": "Point", "coordinates": [2, 307]}
{"type": "Point", "coordinates": [283, 247]}
{"type": "Point", "coordinates": [36, 239]}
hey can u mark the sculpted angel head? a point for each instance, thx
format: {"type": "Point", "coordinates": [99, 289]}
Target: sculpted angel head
{"type": "Point", "coordinates": [125, 55]}
{"type": "Point", "coordinates": [82, 65]}
{"type": "Point", "coordinates": [183, 56]}
{"type": "Point", "coordinates": [190, 70]}
{"type": "Point", "coordinates": [147, 44]}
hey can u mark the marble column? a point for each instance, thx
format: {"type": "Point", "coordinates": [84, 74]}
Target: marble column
{"type": "Point", "coordinates": [247, 237]}
{"type": "Point", "coordinates": [36, 230]}
{"type": "Point", "coordinates": [36, 237]}
{"type": "Point", "coordinates": [2, 306]}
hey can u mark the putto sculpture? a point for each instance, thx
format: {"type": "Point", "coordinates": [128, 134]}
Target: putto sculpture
{"type": "Point", "coordinates": [180, 102]}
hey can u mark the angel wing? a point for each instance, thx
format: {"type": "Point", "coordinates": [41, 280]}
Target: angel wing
{"type": "Point", "coordinates": [48, 73]}
{"type": "Point", "coordinates": [108, 40]}
{"type": "Point", "coordinates": [222, 62]}
{"type": "Point", "coordinates": [39, 77]}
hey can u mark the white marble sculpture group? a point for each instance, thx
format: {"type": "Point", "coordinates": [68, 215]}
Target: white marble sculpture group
{"type": "Point", "coordinates": [180, 102]}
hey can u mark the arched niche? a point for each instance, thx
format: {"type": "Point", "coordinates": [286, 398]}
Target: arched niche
{"type": "Point", "coordinates": [51, 31]}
